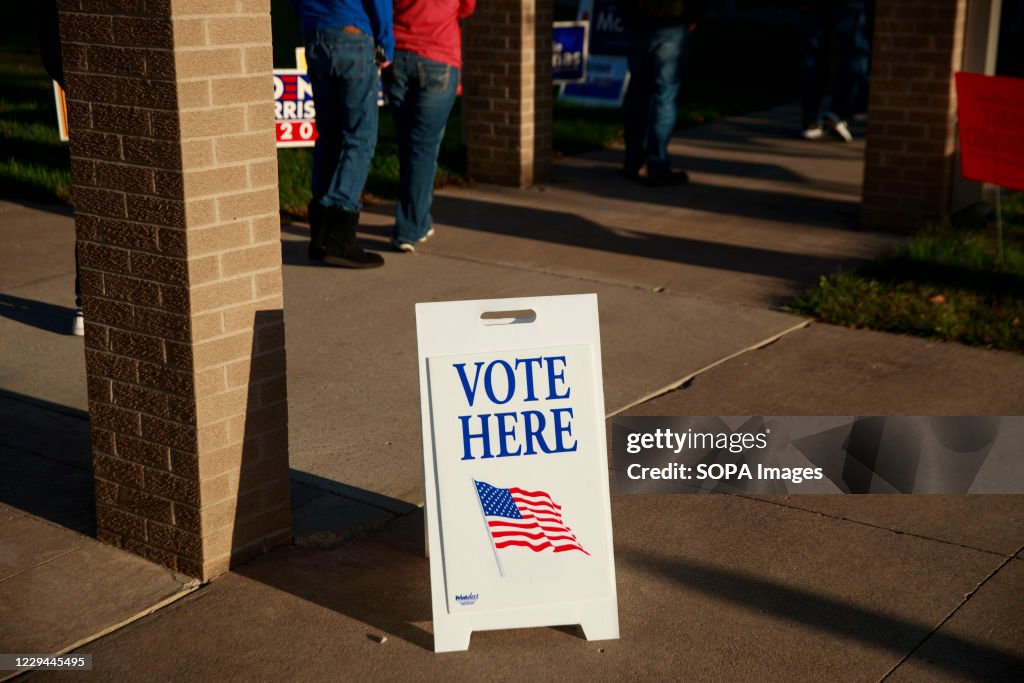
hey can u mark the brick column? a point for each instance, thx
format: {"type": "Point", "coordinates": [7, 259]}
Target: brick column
{"type": "Point", "coordinates": [175, 188]}
{"type": "Point", "coordinates": [507, 91]}
{"type": "Point", "coordinates": [911, 136]}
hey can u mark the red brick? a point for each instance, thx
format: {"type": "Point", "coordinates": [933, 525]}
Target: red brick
{"type": "Point", "coordinates": [166, 379]}
{"type": "Point", "coordinates": [114, 367]}
{"type": "Point", "coordinates": [142, 452]}
{"type": "Point", "coordinates": [117, 470]}
{"type": "Point", "coordinates": [124, 178]}
{"type": "Point", "coordinates": [165, 269]}
{"type": "Point", "coordinates": [180, 542]}
{"type": "Point", "coordinates": [100, 202]}
{"type": "Point", "coordinates": [140, 346]}
{"type": "Point", "coordinates": [120, 523]}
{"type": "Point", "coordinates": [146, 151]}
{"type": "Point", "coordinates": [144, 31]}
{"type": "Point", "coordinates": [175, 435]}
{"type": "Point", "coordinates": [172, 487]}
{"type": "Point", "coordinates": [132, 290]}
{"type": "Point", "coordinates": [119, 119]}
{"type": "Point", "coordinates": [116, 60]}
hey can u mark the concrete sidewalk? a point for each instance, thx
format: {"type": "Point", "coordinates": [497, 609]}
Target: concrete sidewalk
{"type": "Point", "coordinates": [689, 281]}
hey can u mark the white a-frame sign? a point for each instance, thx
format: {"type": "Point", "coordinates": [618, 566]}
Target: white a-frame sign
{"type": "Point", "coordinates": [515, 460]}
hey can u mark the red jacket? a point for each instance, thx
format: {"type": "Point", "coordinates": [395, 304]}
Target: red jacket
{"type": "Point", "coordinates": [430, 28]}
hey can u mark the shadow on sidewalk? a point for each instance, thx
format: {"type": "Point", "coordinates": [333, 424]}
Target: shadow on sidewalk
{"type": "Point", "coordinates": [46, 461]}
{"type": "Point", "coordinates": [382, 581]}
{"type": "Point", "coordinates": [47, 317]}
{"type": "Point", "coordinates": [570, 229]}
{"type": "Point", "coordinates": [961, 657]}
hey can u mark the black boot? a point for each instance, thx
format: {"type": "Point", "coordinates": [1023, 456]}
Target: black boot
{"type": "Point", "coordinates": [342, 250]}
{"type": "Point", "coordinates": [318, 236]}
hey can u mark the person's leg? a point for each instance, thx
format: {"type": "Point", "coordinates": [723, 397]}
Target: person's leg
{"type": "Point", "coordinates": [637, 103]}
{"type": "Point", "coordinates": [344, 79]}
{"type": "Point", "coordinates": [855, 52]}
{"type": "Point", "coordinates": [667, 53]}
{"type": "Point", "coordinates": [400, 82]}
{"type": "Point", "coordinates": [814, 67]}
{"type": "Point", "coordinates": [355, 100]}
{"type": "Point", "coordinates": [78, 324]}
{"type": "Point", "coordinates": [327, 147]}
{"type": "Point", "coordinates": [432, 94]}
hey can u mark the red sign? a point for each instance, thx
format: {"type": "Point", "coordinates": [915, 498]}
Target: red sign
{"type": "Point", "coordinates": [991, 128]}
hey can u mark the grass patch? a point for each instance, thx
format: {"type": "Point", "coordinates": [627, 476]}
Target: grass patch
{"type": "Point", "coordinates": [34, 163]}
{"type": "Point", "coordinates": [944, 283]}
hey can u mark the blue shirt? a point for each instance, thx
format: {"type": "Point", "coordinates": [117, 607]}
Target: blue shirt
{"type": "Point", "coordinates": [372, 17]}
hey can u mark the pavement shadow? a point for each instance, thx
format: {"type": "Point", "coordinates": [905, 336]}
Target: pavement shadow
{"type": "Point", "coordinates": [47, 317]}
{"type": "Point", "coordinates": [296, 252]}
{"type": "Point", "coordinates": [25, 194]}
{"type": "Point", "coordinates": [561, 227]}
{"type": "Point", "coordinates": [963, 658]}
{"type": "Point", "coordinates": [376, 581]}
{"type": "Point", "coordinates": [46, 461]}
{"type": "Point", "coordinates": [759, 204]}
{"type": "Point", "coordinates": [262, 507]}
{"type": "Point", "coordinates": [768, 135]}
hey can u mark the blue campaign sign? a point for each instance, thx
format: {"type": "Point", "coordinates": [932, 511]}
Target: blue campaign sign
{"type": "Point", "coordinates": [607, 34]}
{"type": "Point", "coordinates": [605, 85]}
{"type": "Point", "coordinates": [569, 51]}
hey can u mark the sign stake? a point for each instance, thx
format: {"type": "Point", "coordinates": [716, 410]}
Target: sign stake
{"type": "Point", "coordinates": [483, 515]}
{"type": "Point", "coordinates": [999, 224]}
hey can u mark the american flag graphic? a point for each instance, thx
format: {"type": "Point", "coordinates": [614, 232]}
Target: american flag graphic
{"type": "Point", "coordinates": [531, 519]}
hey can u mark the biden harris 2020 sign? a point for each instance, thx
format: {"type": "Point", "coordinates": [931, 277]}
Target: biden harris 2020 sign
{"type": "Point", "coordinates": [515, 460]}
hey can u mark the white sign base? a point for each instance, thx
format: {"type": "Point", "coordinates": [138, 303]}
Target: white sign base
{"type": "Point", "coordinates": [515, 464]}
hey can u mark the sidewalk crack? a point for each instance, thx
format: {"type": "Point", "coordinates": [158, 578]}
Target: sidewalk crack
{"type": "Point", "coordinates": [876, 526]}
{"type": "Point", "coordinates": [44, 562]}
{"type": "Point", "coordinates": [966, 598]}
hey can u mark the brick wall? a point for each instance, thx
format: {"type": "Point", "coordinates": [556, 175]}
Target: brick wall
{"type": "Point", "coordinates": [507, 91]}
{"type": "Point", "coordinates": [911, 135]}
{"type": "Point", "coordinates": [174, 175]}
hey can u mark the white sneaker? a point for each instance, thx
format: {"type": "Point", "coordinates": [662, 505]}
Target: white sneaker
{"type": "Point", "coordinates": [408, 247]}
{"type": "Point", "coordinates": [813, 133]}
{"type": "Point", "coordinates": [838, 127]}
{"type": "Point", "coordinates": [78, 326]}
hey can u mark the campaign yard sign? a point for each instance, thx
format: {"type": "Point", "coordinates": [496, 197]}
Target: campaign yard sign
{"type": "Point", "coordinates": [294, 113]}
{"type": "Point", "coordinates": [515, 467]}
{"type": "Point", "coordinates": [991, 128]}
{"type": "Point", "coordinates": [607, 76]}
{"type": "Point", "coordinates": [569, 51]}
{"type": "Point", "coordinates": [607, 33]}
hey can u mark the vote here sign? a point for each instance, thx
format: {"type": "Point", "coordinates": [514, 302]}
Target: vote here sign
{"type": "Point", "coordinates": [518, 516]}
{"type": "Point", "coordinates": [991, 127]}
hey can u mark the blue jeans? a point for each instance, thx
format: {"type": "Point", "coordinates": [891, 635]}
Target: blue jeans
{"type": "Point", "coordinates": [847, 25]}
{"type": "Point", "coordinates": [421, 93]}
{"type": "Point", "coordinates": [343, 74]}
{"type": "Point", "coordinates": [656, 69]}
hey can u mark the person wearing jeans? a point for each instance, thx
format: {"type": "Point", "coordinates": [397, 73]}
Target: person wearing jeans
{"type": "Point", "coordinates": [657, 33]}
{"type": "Point", "coordinates": [345, 41]}
{"type": "Point", "coordinates": [823, 24]}
{"type": "Point", "coordinates": [420, 86]}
